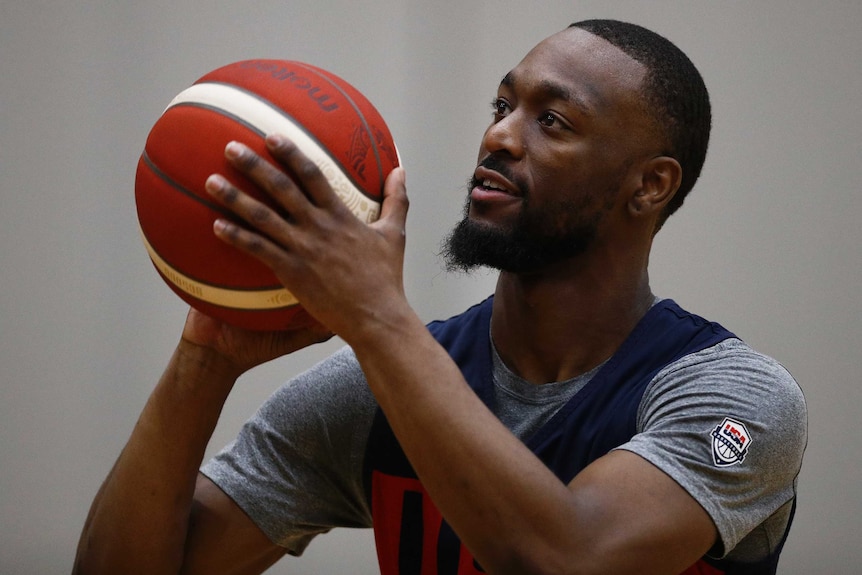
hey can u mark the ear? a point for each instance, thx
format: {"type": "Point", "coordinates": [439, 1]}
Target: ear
{"type": "Point", "coordinates": [660, 179]}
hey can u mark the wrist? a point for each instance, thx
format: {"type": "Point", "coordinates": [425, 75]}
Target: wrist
{"type": "Point", "coordinates": [388, 329]}
{"type": "Point", "coordinates": [196, 363]}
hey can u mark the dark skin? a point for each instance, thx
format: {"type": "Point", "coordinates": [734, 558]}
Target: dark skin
{"type": "Point", "coordinates": [590, 143]}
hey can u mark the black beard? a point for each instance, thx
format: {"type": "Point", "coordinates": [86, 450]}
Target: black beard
{"type": "Point", "coordinates": [533, 243]}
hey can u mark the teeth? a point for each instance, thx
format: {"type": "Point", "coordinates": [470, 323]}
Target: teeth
{"type": "Point", "coordinates": [489, 184]}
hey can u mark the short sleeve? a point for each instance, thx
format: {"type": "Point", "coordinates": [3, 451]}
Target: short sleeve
{"type": "Point", "coordinates": [730, 426]}
{"type": "Point", "coordinates": [296, 466]}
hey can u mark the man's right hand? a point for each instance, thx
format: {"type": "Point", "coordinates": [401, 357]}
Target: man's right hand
{"type": "Point", "coordinates": [242, 349]}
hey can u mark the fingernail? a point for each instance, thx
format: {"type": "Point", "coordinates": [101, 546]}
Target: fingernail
{"type": "Point", "coordinates": [214, 183]}
{"type": "Point", "coordinates": [233, 149]}
{"type": "Point", "coordinates": [219, 225]}
{"type": "Point", "coordinates": [275, 140]}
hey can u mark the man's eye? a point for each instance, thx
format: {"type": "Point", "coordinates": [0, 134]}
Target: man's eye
{"type": "Point", "coordinates": [500, 107]}
{"type": "Point", "coordinates": [548, 119]}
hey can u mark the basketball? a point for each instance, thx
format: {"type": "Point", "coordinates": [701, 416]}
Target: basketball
{"type": "Point", "coordinates": [327, 118]}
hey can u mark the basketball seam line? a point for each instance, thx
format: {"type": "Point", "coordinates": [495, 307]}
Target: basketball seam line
{"type": "Point", "coordinates": [182, 189]}
{"type": "Point", "coordinates": [358, 113]}
{"type": "Point", "coordinates": [217, 295]}
{"type": "Point", "coordinates": [299, 125]}
{"type": "Point", "coordinates": [203, 282]}
{"type": "Point", "coordinates": [259, 112]}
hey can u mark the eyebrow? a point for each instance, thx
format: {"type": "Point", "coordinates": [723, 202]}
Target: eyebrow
{"type": "Point", "coordinates": [554, 91]}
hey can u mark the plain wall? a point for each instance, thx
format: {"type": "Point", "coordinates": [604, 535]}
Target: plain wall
{"type": "Point", "coordinates": [768, 243]}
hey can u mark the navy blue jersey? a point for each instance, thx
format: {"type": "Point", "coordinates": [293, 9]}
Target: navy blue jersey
{"type": "Point", "coordinates": [412, 536]}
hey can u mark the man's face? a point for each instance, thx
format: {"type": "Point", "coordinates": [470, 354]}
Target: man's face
{"type": "Point", "coordinates": [568, 125]}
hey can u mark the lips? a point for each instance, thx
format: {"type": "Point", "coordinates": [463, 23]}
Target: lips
{"type": "Point", "coordinates": [494, 182]}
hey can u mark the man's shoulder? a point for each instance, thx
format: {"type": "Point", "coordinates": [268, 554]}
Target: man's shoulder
{"type": "Point", "coordinates": [732, 354]}
{"type": "Point", "coordinates": [474, 317]}
{"type": "Point", "coordinates": [734, 377]}
{"type": "Point", "coordinates": [473, 310]}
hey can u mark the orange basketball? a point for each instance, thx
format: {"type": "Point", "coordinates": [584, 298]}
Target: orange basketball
{"type": "Point", "coordinates": [329, 120]}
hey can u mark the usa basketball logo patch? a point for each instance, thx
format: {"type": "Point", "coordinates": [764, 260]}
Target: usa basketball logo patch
{"type": "Point", "coordinates": [730, 442]}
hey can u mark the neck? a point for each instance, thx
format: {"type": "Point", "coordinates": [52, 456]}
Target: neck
{"type": "Point", "coordinates": [560, 323]}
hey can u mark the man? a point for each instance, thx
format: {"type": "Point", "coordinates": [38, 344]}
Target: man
{"type": "Point", "coordinates": [572, 423]}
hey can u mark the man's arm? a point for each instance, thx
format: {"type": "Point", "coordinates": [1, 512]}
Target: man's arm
{"type": "Point", "coordinates": [154, 514]}
{"type": "Point", "coordinates": [620, 515]}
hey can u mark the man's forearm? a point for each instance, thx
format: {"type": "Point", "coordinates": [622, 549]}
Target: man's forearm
{"type": "Point", "coordinates": [139, 520]}
{"type": "Point", "coordinates": [503, 503]}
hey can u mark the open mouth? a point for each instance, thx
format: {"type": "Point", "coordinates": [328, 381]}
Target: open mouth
{"type": "Point", "coordinates": [490, 185]}
{"type": "Point", "coordinates": [491, 181]}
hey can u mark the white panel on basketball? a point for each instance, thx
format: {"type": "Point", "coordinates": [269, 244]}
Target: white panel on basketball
{"type": "Point", "coordinates": [268, 120]}
{"type": "Point", "coordinates": [245, 299]}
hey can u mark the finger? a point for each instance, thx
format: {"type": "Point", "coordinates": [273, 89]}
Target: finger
{"type": "Point", "coordinates": [275, 182]}
{"type": "Point", "coordinates": [306, 173]}
{"type": "Point", "coordinates": [251, 243]}
{"type": "Point", "coordinates": [254, 212]}
{"type": "Point", "coordinates": [304, 336]}
{"type": "Point", "coordinates": [393, 212]}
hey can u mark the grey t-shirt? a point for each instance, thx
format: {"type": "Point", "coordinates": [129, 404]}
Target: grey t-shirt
{"type": "Point", "coordinates": [296, 466]}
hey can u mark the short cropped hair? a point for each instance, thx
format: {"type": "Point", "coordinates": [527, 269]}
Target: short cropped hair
{"type": "Point", "coordinates": [674, 92]}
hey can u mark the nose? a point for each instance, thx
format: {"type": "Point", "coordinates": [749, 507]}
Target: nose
{"type": "Point", "coordinates": [504, 135]}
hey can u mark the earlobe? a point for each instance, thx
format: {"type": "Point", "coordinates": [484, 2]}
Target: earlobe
{"type": "Point", "coordinates": [661, 178]}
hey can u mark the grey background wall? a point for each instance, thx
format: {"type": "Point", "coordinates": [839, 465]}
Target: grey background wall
{"type": "Point", "coordinates": [768, 243]}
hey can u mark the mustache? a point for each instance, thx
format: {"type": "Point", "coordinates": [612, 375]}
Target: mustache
{"type": "Point", "coordinates": [500, 165]}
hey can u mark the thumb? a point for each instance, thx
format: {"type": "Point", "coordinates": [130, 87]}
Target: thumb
{"type": "Point", "coordinates": [395, 203]}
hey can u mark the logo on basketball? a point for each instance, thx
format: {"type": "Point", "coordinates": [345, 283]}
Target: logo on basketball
{"type": "Point", "coordinates": [359, 147]}
{"type": "Point", "coordinates": [730, 442]}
